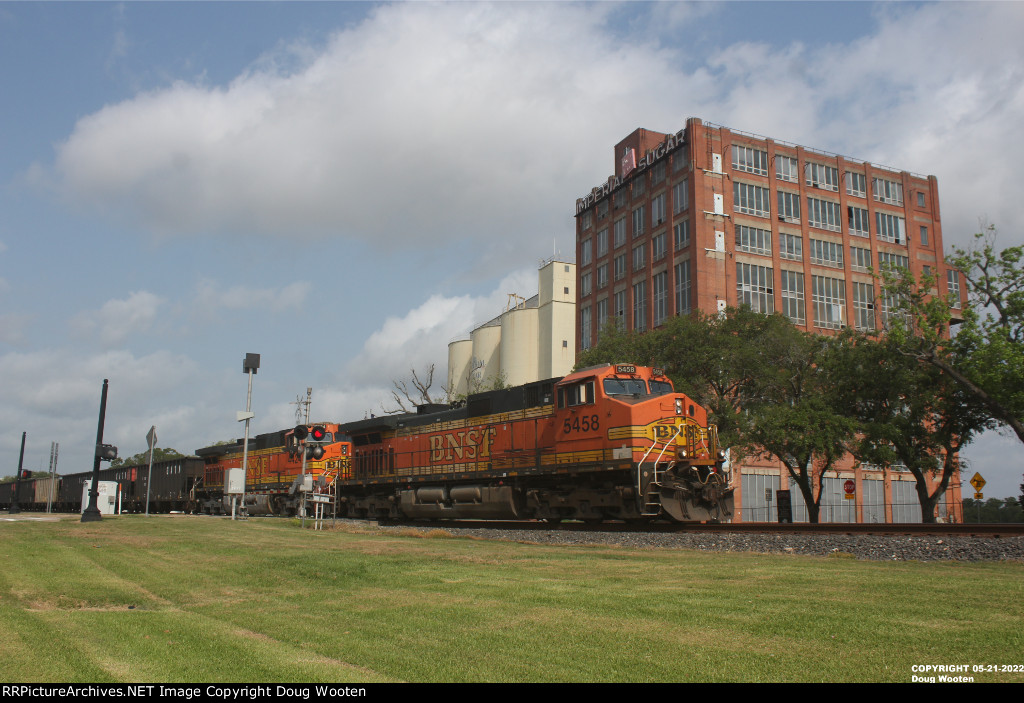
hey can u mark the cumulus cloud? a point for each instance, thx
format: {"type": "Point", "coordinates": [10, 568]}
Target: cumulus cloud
{"type": "Point", "coordinates": [422, 125]}
{"type": "Point", "coordinates": [117, 320]}
{"type": "Point", "coordinates": [421, 336]}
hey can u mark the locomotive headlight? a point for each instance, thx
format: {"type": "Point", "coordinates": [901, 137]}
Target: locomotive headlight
{"type": "Point", "coordinates": [682, 453]}
{"type": "Point", "coordinates": [679, 406]}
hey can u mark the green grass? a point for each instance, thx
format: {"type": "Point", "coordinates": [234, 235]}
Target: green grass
{"type": "Point", "coordinates": [186, 599]}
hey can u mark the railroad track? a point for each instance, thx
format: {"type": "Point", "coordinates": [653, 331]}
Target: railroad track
{"type": "Point", "coordinates": [989, 530]}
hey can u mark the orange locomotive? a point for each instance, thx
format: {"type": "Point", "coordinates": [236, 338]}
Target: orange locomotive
{"type": "Point", "coordinates": [275, 465]}
{"type": "Point", "coordinates": [607, 442]}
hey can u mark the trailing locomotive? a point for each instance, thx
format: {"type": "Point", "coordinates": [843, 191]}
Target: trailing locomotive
{"type": "Point", "coordinates": [275, 468]}
{"type": "Point", "coordinates": [608, 442]}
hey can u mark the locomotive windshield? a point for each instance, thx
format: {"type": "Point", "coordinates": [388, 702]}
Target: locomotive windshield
{"type": "Point", "coordinates": [625, 386]}
{"type": "Point", "coordinates": [660, 387]}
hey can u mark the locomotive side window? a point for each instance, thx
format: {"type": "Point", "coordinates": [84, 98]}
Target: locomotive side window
{"type": "Point", "coordinates": [577, 394]}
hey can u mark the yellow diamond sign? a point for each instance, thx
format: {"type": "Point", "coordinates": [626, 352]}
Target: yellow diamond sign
{"type": "Point", "coordinates": [978, 482]}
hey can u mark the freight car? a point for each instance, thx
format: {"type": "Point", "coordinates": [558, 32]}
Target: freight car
{"type": "Point", "coordinates": [607, 442]}
{"type": "Point", "coordinates": [173, 487]}
{"type": "Point", "coordinates": [275, 468]}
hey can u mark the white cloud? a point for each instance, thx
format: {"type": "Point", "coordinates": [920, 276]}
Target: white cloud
{"type": "Point", "coordinates": [422, 125]}
{"type": "Point", "coordinates": [117, 320]}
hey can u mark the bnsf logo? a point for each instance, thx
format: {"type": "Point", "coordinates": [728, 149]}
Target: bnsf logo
{"type": "Point", "coordinates": [470, 444]}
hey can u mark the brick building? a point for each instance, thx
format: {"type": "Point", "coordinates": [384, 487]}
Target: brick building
{"type": "Point", "coordinates": [710, 217]}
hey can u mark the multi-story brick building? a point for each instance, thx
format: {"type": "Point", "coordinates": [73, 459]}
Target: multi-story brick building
{"type": "Point", "coordinates": [710, 217]}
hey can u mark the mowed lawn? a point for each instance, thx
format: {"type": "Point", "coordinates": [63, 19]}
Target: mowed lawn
{"type": "Point", "coordinates": [198, 599]}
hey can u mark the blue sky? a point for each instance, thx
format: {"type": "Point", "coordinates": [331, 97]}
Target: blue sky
{"type": "Point", "coordinates": [344, 188]}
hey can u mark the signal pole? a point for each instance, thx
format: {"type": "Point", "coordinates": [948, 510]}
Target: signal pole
{"type": "Point", "coordinates": [14, 507]}
{"type": "Point", "coordinates": [249, 366]}
{"type": "Point", "coordinates": [104, 452]}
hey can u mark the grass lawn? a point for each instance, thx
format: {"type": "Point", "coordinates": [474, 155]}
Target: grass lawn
{"type": "Point", "coordinates": [194, 599]}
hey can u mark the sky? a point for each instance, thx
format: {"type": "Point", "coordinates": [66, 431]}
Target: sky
{"type": "Point", "coordinates": [345, 188]}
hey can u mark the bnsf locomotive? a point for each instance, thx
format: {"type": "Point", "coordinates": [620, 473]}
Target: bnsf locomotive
{"type": "Point", "coordinates": [609, 442]}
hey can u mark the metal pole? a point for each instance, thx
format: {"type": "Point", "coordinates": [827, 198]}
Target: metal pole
{"type": "Point", "coordinates": [151, 436]}
{"type": "Point", "coordinates": [14, 507]}
{"type": "Point", "coordinates": [245, 443]}
{"type": "Point", "coordinates": [92, 513]}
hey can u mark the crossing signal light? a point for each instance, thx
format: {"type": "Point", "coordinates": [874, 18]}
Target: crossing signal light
{"type": "Point", "coordinates": [314, 451]}
{"type": "Point", "coordinates": [318, 433]}
{"type": "Point", "coordinates": [300, 432]}
{"type": "Point", "coordinates": [106, 452]}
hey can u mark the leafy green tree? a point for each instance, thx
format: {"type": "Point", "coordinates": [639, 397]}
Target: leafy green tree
{"type": "Point", "coordinates": [908, 414]}
{"type": "Point", "coordinates": [993, 510]}
{"type": "Point", "coordinates": [796, 416]}
{"type": "Point", "coordinates": [143, 457]}
{"type": "Point", "coordinates": [985, 353]}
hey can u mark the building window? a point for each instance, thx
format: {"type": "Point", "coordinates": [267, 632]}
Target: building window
{"type": "Point", "coordinates": [683, 304]}
{"type": "Point", "coordinates": [750, 199]}
{"type": "Point", "coordinates": [620, 197]}
{"type": "Point", "coordinates": [680, 196]}
{"type": "Point", "coordinates": [638, 221]}
{"type": "Point", "coordinates": [864, 305]}
{"type": "Point", "coordinates": [620, 267]}
{"type": "Point", "coordinates": [682, 234]}
{"type": "Point", "coordinates": [856, 184]}
{"type": "Point", "coordinates": [887, 260]}
{"type": "Point", "coordinates": [793, 296]}
{"type": "Point", "coordinates": [660, 284]}
{"type": "Point", "coordinates": [891, 228]}
{"type": "Point", "coordinates": [602, 315]}
{"type": "Point", "coordinates": [826, 253]}
{"type": "Point", "coordinates": [586, 219]}
{"type": "Point", "coordinates": [602, 276]}
{"type": "Point", "coordinates": [858, 221]}
{"type": "Point", "coordinates": [639, 257]}
{"type": "Point", "coordinates": [787, 168]}
{"type": "Point", "coordinates": [920, 199]}
{"type": "Point", "coordinates": [753, 240]}
{"type": "Point", "coordinates": [924, 236]}
{"type": "Point", "coordinates": [657, 210]}
{"type": "Point", "coordinates": [602, 242]}
{"type": "Point", "coordinates": [791, 247]}
{"type": "Point", "coordinates": [823, 214]}
{"type": "Point", "coordinates": [602, 209]}
{"type": "Point", "coordinates": [620, 309]}
{"type": "Point", "coordinates": [585, 328]}
{"type": "Point", "coordinates": [585, 289]}
{"type": "Point", "coordinates": [658, 248]}
{"type": "Point", "coordinates": [789, 206]}
{"type": "Point", "coordinates": [891, 305]}
{"type": "Point", "coordinates": [745, 158]}
{"type": "Point", "coordinates": [620, 232]}
{"type": "Point", "coordinates": [639, 186]}
{"type": "Point", "coordinates": [754, 287]}
{"type": "Point", "coordinates": [953, 286]}
{"type": "Point", "coordinates": [860, 259]}
{"type": "Point", "coordinates": [821, 176]}
{"type": "Point", "coordinates": [679, 160]}
{"type": "Point", "coordinates": [586, 252]}
{"type": "Point", "coordinates": [658, 173]}
{"type": "Point", "coordinates": [885, 191]}
{"type": "Point", "coordinates": [640, 306]}
{"type": "Point", "coordinates": [829, 298]}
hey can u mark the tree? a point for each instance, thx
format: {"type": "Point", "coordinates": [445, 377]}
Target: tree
{"type": "Point", "coordinates": [407, 398]}
{"type": "Point", "coordinates": [796, 417]}
{"type": "Point", "coordinates": [143, 457]}
{"type": "Point", "coordinates": [908, 414]}
{"type": "Point", "coordinates": [985, 355]}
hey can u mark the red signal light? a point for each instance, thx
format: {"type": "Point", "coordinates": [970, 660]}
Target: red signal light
{"type": "Point", "coordinates": [318, 433]}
